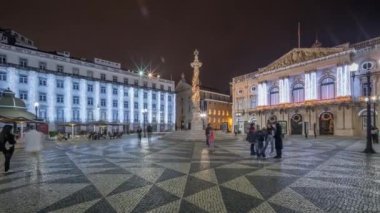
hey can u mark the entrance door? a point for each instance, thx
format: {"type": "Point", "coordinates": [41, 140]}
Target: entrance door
{"type": "Point", "coordinates": [326, 123]}
{"type": "Point", "coordinates": [296, 124]}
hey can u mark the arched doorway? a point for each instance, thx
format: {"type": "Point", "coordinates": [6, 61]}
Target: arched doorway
{"type": "Point", "coordinates": [326, 123]}
{"type": "Point", "coordinates": [296, 124]}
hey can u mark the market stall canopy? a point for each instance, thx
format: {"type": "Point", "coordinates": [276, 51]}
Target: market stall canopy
{"type": "Point", "coordinates": [13, 109]}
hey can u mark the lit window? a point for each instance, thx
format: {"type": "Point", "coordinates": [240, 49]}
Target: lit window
{"type": "Point", "coordinates": [298, 93]}
{"type": "Point", "coordinates": [327, 88]}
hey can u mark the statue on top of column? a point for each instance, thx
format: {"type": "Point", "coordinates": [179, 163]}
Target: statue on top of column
{"type": "Point", "coordinates": [196, 64]}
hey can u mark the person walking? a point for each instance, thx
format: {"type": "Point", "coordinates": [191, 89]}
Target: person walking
{"type": "Point", "coordinates": [33, 140]}
{"type": "Point", "coordinates": [211, 140]}
{"type": "Point", "coordinates": [207, 132]}
{"type": "Point", "coordinates": [269, 138]}
{"type": "Point", "coordinates": [7, 145]}
{"type": "Point", "coordinates": [251, 138]}
{"type": "Point", "coordinates": [261, 139]}
{"type": "Point", "coordinates": [139, 133]}
{"type": "Point", "coordinates": [149, 130]}
{"type": "Point", "coordinates": [278, 140]}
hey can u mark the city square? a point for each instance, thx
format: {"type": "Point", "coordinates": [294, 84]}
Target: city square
{"type": "Point", "coordinates": [123, 175]}
{"type": "Point", "coordinates": [190, 106]}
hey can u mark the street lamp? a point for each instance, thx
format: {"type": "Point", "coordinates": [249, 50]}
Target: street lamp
{"type": "Point", "coordinates": [36, 105]}
{"type": "Point", "coordinates": [144, 111]}
{"type": "Point", "coordinates": [369, 147]}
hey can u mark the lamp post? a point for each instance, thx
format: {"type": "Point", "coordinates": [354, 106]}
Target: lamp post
{"type": "Point", "coordinates": [36, 105]}
{"type": "Point", "coordinates": [144, 111]}
{"type": "Point", "coordinates": [369, 148]}
{"type": "Point", "coordinates": [374, 99]}
{"type": "Point", "coordinates": [203, 115]}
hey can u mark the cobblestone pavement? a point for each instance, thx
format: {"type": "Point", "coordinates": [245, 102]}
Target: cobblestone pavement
{"type": "Point", "coordinates": [322, 175]}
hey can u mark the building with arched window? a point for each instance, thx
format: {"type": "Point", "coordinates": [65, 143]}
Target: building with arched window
{"type": "Point", "coordinates": [312, 90]}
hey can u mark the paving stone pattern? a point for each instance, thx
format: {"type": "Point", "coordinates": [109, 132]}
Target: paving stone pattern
{"type": "Point", "coordinates": [322, 175]}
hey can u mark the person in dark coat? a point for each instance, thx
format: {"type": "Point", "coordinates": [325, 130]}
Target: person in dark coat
{"type": "Point", "coordinates": [149, 130]}
{"type": "Point", "coordinates": [7, 142]}
{"type": "Point", "coordinates": [207, 132]}
{"type": "Point", "coordinates": [278, 140]}
{"type": "Point", "coordinates": [139, 133]}
{"type": "Point", "coordinates": [251, 138]}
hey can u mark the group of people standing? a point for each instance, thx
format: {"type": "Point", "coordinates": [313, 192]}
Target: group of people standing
{"type": "Point", "coordinates": [260, 139]}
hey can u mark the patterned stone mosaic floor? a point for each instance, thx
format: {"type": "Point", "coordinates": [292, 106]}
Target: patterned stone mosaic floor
{"type": "Point", "coordinates": [323, 175]}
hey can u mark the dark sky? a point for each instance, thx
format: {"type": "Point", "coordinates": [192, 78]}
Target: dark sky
{"type": "Point", "coordinates": [234, 37]}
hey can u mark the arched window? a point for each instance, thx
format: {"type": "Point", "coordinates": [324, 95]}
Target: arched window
{"type": "Point", "coordinates": [298, 93]}
{"type": "Point", "coordinates": [274, 96]}
{"type": "Point", "coordinates": [327, 88]}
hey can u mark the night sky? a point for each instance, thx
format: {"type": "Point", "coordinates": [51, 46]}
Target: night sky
{"type": "Point", "coordinates": [233, 37]}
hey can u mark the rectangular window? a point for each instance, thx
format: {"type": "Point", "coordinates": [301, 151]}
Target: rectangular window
{"type": "Point", "coordinates": [90, 88]}
{"type": "Point", "coordinates": [126, 104]}
{"type": "Point", "coordinates": [169, 98]}
{"type": "Point", "coordinates": [162, 97]}
{"type": "Point", "coordinates": [75, 71]}
{"type": "Point", "coordinates": [23, 79]}
{"type": "Point", "coordinates": [76, 100]}
{"type": "Point", "coordinates": [154, 85]}
{"type": "Point", "coordinates": [75, 86]}
{"type": "Point", "coordinates": [59, 84]}
{"type": "Point", "coordinates": [23, 62]}
{"type": "Point", "coordinates": [136, 94]}
{"type": "Point", "coordinates": [154, 96]}
{"type": "Point", "coordinates": [136, 105]}
{"type": "Point", "coordinates": [126, 116]}
{"type": "Point", "coordinates": [125, 80]}
{"type": "Point", "coordinates": [169, 89]}
{"type": "Point", "coordinates": [136, 117]}
{"type": "Point", "coordinates": [23, 95]}
{"type": "Point", "coordinates": [59, 68]}
{"type": "Point", "coordinates": [125, 93]}
{"type": "Point", "coordinates": [60, 99]}
{"type": "Point", "coordinates": [103, 102]}
{"type": "Point", "coordinates": [162, 87]}
{"type": "Point", "coordinates": [145, 106]}
{"type": "Point", "coordinates": [42, 97]}
{"type": "Point", "coordinates": [253, 101]}
{"type": "Point", "coordinates": [90, 101]}
{"type": "Point", "coordinates": [76, 115]}
{"type": "Point", "coordinates": [114, 78]}
{"type": "Point", "coordinates": [145, 84]}
{"type": "Point", "coordinates": [60, 114]}
{"type": "Point", "coordinates": [90, 115]}
{"type": "Point", "coordinates": [3, 59]}
{"type": "Point", "coordinates": [154, 107]}
{"type": "Point", "coordinates": [42, 65]}
{"type": "Point", "coordinates": [103, 76]}
{"type": "Point", "coordinates": [90, 74]}
{"type": "Point", "coordinates": [103, 90]}
{"type": "Point", "coordinates": [103, 115]}
{"type": "Point", "coordinates": [114, 103]}
{"type": "Point", "coordinates": [115, 116]}
{"type": "Point", "coordinates": [114, 91]}
{"type": "Point", "coordinates": [3, 76]}
{"type": "Point", "coordinates": [145, 95]}
{"type": "Point", "coordinates": [136, 82]}
{"type": "Point", "coordinates": [42, 81]}
{"type": "Point", "coordinates": [162, 108]}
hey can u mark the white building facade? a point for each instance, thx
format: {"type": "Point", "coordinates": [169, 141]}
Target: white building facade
{"type": "Point", "coordinates": [86, 94]}
{"type": "Point", "coordinates": [313, 90]}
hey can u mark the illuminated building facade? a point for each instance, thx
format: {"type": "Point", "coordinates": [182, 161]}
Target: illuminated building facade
{"type": "Point", "coordinates": [318, 90]}
{"type": "Point", "coordinates": [87, 94]}
{"type": "Point", "coordinates": [216, 107]}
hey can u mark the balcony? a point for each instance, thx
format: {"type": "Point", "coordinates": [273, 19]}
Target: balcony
{"type": "Point", "coordinates": [309, 103]}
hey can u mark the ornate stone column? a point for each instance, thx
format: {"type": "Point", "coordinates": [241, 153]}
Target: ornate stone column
{"type": "Point", "coordinates": [196, 122]}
